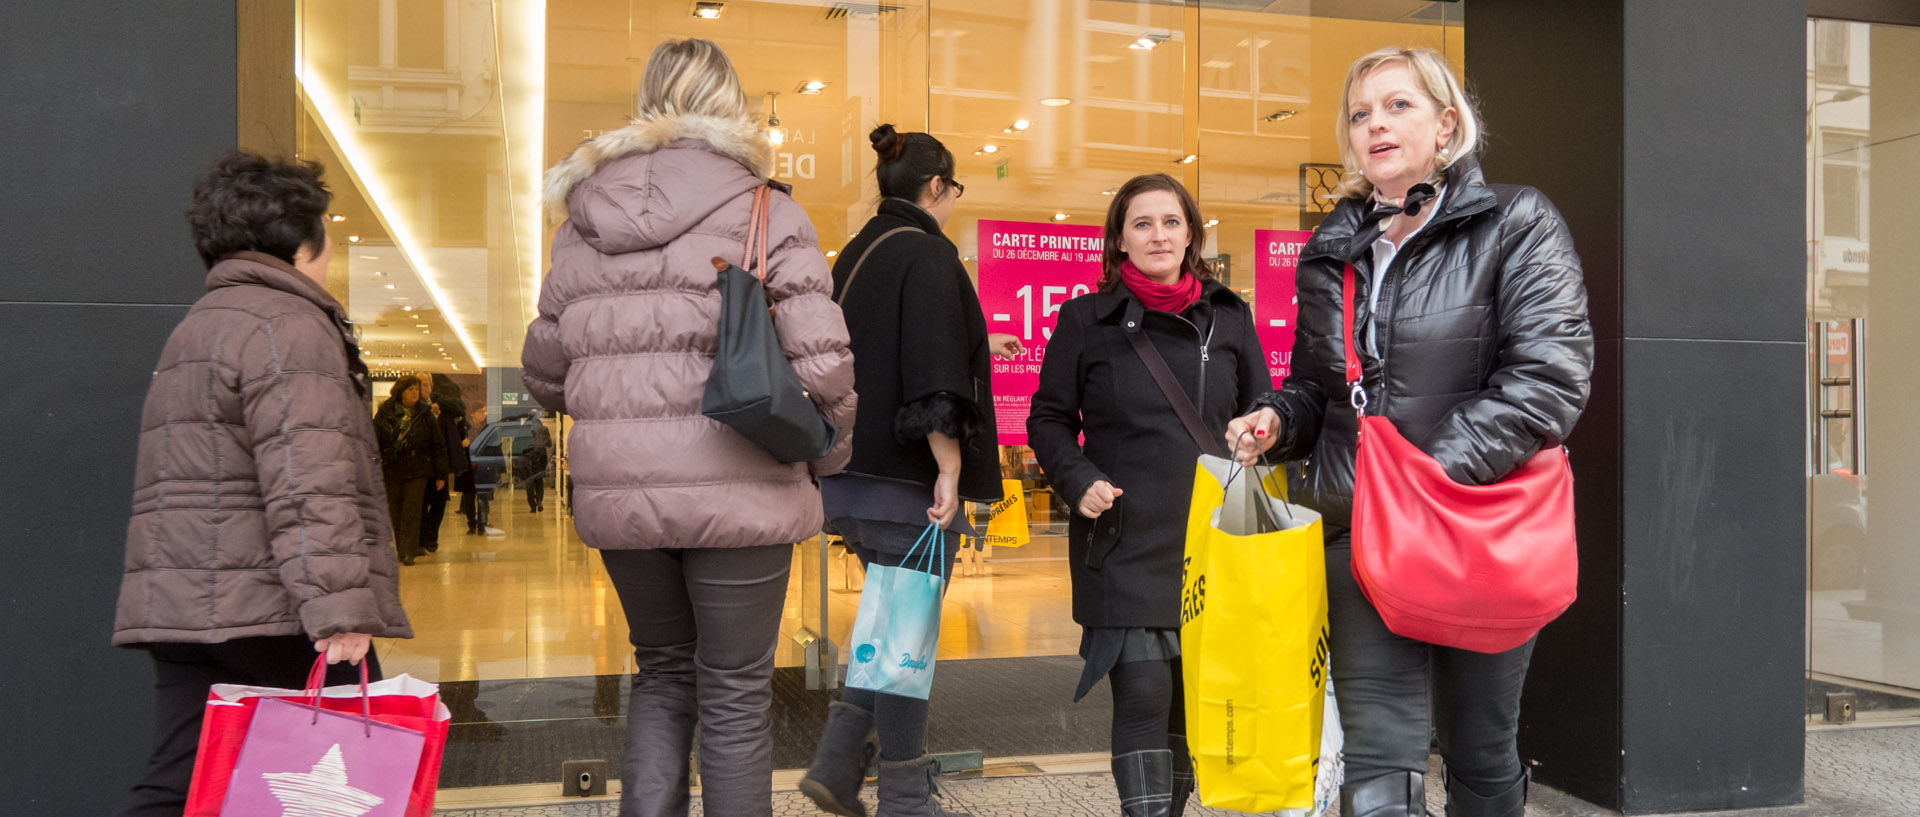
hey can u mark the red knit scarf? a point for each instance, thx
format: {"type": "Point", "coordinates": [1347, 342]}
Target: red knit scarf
{"type": "Point", "coordinates": [1174, 297]}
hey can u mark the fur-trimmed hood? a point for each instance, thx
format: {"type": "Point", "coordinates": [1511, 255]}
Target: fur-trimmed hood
{"type": "Point", "coordinates": [740, 140]}
{"type": "Point", "coordinates": [648, 183]}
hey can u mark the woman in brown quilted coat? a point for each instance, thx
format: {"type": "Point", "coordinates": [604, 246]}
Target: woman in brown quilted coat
{"type": "Point", "coordinates": [694, 522]}
{"type": "Point", "coordinates": [259, 531]}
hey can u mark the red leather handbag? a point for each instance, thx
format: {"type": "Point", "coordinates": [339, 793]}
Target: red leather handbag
{"type": "Point", "coordinates": [1478, 567]}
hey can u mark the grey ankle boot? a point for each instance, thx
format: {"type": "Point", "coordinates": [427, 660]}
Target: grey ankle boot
{"type": "Point", "coordinates": [1463, 802]}
{"type": "Point", "coordinates": [907, 789]}
{"type": "Point", "coordinates": [1399, 794]}
{"type": "Point", "coordinates": [1183, 782]}
{"type": "Point", "coordinates": [847, 747]}
{"type": "Point", "coordinates": [1145, 781]}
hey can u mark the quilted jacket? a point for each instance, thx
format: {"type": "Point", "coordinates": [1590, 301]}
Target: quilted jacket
{"type": "Point", "coordinates": [258, 505]}
{"type": "Point", "coordinates": [1487, 354]}
{"type": "Point", "coordinates": [629, 324]}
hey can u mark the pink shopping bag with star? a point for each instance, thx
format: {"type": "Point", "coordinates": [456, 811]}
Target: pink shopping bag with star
{"type": "Point", "coordinates": [350, 751]}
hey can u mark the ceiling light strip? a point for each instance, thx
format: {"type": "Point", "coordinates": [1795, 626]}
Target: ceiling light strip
{"type": "Point", "coordinates": [520, 37]}
{"type": "Point", "coordinates": [324, 104]}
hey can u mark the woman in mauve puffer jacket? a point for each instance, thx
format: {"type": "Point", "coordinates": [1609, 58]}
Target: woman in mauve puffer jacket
{"type": "Point", "coordinates": [694, 522]}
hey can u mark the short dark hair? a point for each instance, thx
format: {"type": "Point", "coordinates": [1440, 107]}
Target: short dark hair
{"type": "Point", "coordinates": [1111, 256]}
{"type": "Point", "coordinates": [908, 161]}
{"type": "Point", "coordinates": [248, 202]}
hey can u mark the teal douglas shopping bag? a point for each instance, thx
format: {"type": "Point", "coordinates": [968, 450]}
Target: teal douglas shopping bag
{"type": "Point", "coordinates": [897, 629]}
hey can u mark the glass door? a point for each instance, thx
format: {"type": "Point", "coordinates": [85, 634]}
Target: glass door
{"type": "Point", "coordinates": [1863, 307]}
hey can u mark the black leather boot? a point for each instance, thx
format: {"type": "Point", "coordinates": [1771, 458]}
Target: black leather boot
{"type": "Point", "coordinates": [840, 763]}
{"type": "Point", "coordinates": [1145, 781]}
{"type": "Point", "coordinates": [1399, 794]}
{"type": "Point", "coordinates": [1463, 802]}
{"type": "Point", "coordinates": [1183, 781]}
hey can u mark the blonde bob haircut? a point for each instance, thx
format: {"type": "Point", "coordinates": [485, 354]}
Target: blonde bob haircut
{"type": "Point", "coordinates": [1441, 86]}
{"type": "Point", "coordinates": [690, 77]}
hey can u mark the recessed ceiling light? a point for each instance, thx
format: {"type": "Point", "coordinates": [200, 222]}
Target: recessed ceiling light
{"type": "Point", "coordinates": [426, 331]}
{"type": "Point", "coordinates": [1280, 116]}
{"type": "Point", "coordinates": [708, 10]}
{"type": "Point", "coordinates": [1186, 160]}
{"type": "Point", "coordinates": [354, 239]}
{"type": "Point", "coordinates": [371, 257]}
{"type": "Point", "coordinates": [389, 286]}
{"type": "Point", "coordinates": [1109, 191]}
{"type": "Point", "coordinates": [990, 149]}
{"type": "Point", "coordinates": [406, 309]}
{"type": "Point", "coordinates": [832, 253]}
{"type": "Point", "coordinates": [427, 326]}
{"type": "Point", "coordinates": [1059, 216]}
{"type": "Point", "coordinates": [1056, 102]}
{"type": "Point", "coordinates": [338, 219]}
{"type": "Point", "coordinates": [379, 274]}
{"type": "Point", "coordinates": [811, 87]}
{"type": "Point", "coordinates": [1213, 222]}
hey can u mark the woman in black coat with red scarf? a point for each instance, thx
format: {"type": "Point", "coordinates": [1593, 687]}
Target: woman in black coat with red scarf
{"type": "Point", "coordinates": [1132, 482]}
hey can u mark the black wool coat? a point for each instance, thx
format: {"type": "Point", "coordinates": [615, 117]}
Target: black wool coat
{"type": "Point", "coordinates": [411, 444]}
{"type": "Point", "coordinates": [916, 330]}
{"type": "Point", "coordinates": [1486, 351]}
{"type": "Point", "coordinates": [1126, 565]}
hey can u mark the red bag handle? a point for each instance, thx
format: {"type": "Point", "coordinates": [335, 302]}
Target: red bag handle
{"type": "Point", "coordinates": [317, 677]}
{"type": "Point", "coordinates": [1357, 394]}
{"type": "Point", "coordinates": [755, 259]}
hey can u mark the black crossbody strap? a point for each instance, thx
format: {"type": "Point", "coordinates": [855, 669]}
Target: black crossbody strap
{"type": "Point", "coordinates": [1182, 404]}
{"type": "Point", "coordinates": [863, 260]}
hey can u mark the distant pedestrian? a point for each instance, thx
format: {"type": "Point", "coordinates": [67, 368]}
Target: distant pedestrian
{"type": "Point", "coordinates": [413, 455]}
{"type": "Point", "coordinates": [449, 412]}
{"type": "Point", "coordinates": [260, 525]}
{"type": "Point", "coordinates": [694, 522]}
{"type": "Point", "coordinates": [475, 499]}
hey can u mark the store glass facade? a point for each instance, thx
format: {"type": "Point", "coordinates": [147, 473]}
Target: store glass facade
{"type": "Point", "coordinates": [436, 118]}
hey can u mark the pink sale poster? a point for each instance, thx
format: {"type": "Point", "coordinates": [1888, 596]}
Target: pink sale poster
{"type": "Point", "coordinates": [1028, 270]}
{"type": "Point", "coordinates": [1276, 260]}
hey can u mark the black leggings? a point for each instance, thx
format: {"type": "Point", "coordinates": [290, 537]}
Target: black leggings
{"type": "Point", "coordinates": [1147, 705]}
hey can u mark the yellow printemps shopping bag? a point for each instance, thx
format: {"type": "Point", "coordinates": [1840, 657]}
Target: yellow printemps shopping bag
{"type": "Point", "coordinates": [1253, 642]}
{"type": "Point", "coordinates": [1006, 520]}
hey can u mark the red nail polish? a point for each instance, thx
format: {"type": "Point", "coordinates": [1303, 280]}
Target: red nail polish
{"type": "Point", "coordinates": [1260, 432]}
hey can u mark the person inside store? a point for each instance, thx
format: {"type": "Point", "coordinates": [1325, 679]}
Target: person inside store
{"type": "Point", "coordinates": [259, 529]}
{"type": "Point", "coordinates": [475, 499]}
{"type": "Point", "coordinates": [1131, 482]}
{"type": "Point", "coordinates": [1474, 292]}
{"type": "Point", "coordinates": [533, 466]}
{"type": "Point", "coordinates": [449, 412]}
{"type": "Point", "coordinates": [694, 522]}
{"type": "Point", "coordinates": [413, 455]}
{"type": "Point", "coordinates": [923, 443]}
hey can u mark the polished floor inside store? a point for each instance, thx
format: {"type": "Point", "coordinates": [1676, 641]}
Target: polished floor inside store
{"type": "Point", "coordinates": [529, 600]}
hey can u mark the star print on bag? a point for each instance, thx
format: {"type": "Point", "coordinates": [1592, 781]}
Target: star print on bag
{"type": "Point", "coordinates": [323, 792]}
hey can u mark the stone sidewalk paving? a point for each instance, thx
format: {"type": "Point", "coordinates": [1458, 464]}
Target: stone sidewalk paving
{"type": "Point", "coordinates": [1851, 772]}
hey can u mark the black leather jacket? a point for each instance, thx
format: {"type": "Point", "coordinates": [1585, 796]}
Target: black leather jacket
{"type": "Point", "coordinates": [1487, 354]}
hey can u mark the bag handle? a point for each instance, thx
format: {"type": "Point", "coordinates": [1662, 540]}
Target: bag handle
{"type": "Point", "coordinates": [1182, 404]}
{"type": "Point", "coordinates": [1356, 392]}
{"type": "Point", "coordinates": [928, 561]}
{"type": "Point", "coordinates": [1235, 470]}
{"type": "Point", "coordinates": [317, 677]}
{"type": "Point", "coordinates": [848, 286]}
{"type": "Point", "coordinates": [755, 257]}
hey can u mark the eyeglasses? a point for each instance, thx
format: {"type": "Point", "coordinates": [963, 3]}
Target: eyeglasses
{"type": "Point", "coordinates": [958, 188]}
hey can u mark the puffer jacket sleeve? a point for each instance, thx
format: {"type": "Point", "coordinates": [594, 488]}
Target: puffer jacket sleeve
{"type": "Point", "coordinates": [1055, 422]}
{"type": "Point", "coordinates": [1545, 365]}
{"type": "Point", "coordinates": [543, 361]}
{"type": "Point", "coordinates": [812, 331]}
{"type": "Point", "coordinates": [298, 405]}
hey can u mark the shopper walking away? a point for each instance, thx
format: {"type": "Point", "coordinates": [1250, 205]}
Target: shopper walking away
{"type": "Point", "coordinates": [1470, 324]}
{"type": "Point", "coordinates": [412, 452]}
{"type": "Point", "coordinates": [694, 522]}
{"type": "Point", "coordinates": [474, 498]}
{"type": "Point", "coordinates": [1131, 482]}
{"type": "Point", "coordinates": [259, 530]}
{"type": "Point", "coordinates": [923, 442]}
{"type": "Point", "coordinates": [449, 412]}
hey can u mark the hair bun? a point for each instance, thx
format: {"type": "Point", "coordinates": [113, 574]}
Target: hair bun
{"type": "Point", "coordinates": [887, 142]}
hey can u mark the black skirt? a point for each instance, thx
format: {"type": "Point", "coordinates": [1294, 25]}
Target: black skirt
{"type": "Point", "coordinates": [1107, 647]}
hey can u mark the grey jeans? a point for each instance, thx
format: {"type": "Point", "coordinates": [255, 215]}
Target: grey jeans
{"type": "Point", "coordinates": [1392, 690]}
{"type": "Point", "coordinates": [704, 624]}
